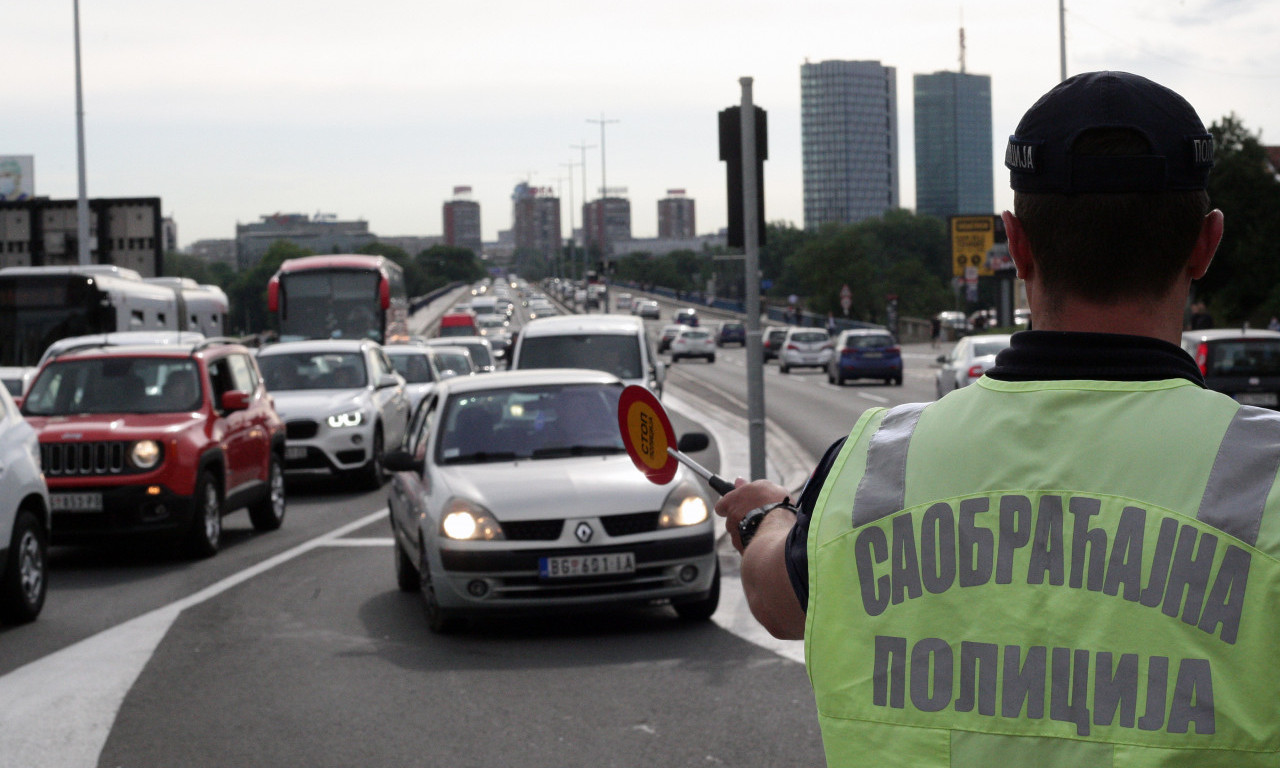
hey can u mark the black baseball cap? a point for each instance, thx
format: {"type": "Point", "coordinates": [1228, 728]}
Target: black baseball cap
{"type": "Point", "coordinates": [1039, 155]}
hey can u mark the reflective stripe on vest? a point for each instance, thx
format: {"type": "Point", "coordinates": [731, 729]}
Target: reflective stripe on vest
{"type": "Point", "coordinates": [961, 620]}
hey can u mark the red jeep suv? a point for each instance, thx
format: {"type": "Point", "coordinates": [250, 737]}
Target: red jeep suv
{"type": "Point", "coordinates": [157, 439]}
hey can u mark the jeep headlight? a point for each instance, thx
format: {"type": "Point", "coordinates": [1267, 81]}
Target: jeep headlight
{"type": "Point", "coordinates": [348, 419]}
{"type": "Point", "coordinates": [145, 454]}
{"type": "Point", "coordinates": [684, 506]}
{"type": "Point", "coordinates": [465, 521]}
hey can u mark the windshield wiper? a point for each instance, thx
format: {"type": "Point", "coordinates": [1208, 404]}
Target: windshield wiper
{"type": "Point", "coordinates": [482, 456]}
{"type": "Point", "coordinates": [576, 450]}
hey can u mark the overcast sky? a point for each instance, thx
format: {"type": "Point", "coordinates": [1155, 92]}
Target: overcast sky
{"type": "Point", "coordinates": [375, 110]}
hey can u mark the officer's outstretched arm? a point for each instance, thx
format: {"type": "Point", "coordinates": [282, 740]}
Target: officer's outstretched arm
{"type": "Point", "coordinates": [764, 578]}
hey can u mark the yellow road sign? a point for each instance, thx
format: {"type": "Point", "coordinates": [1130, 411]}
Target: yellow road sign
{"type": "Point", "coordinates": [971, 239]}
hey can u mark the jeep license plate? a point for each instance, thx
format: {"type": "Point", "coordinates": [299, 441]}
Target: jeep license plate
{"type": "Point", "coordinates": [586, 565]}
{"type": "Point", "coordinates": [75, 502]}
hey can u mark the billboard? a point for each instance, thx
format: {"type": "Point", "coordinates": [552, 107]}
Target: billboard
{"type": "Point", "coordinates": [978, 243]}
{"type": "Point", "coordinates": [17, 177]}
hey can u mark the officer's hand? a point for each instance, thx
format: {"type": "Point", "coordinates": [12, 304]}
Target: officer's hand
{"type": "Point", "coordinates": [735, 504]}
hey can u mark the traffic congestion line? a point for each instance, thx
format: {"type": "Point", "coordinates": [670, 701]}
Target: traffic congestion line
{"type": "Point", "coordinates": [58, 710]}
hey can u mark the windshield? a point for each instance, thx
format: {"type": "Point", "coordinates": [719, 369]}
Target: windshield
{"type": "Point", "coordinates": [542, 422]}
{"type": "Point", "coordinates": [412, 366]}
{"type": "Point", "coordinates": [614, 353]}
{"type": "Point", "coordinates": [313, 370]}
{"type": "Point", "coordinates": [331, 304]}
{"type": "Point", "coordinates": [116, 385]}
{"type": "Point", "coordinates": [1242, 357]}
{"type": "Point", "coordinates": [991, 347]}
{"type": "Point", "coordinates": [455, 362]}
{"type": "Point", "coordinates": [37, 311]}
{"type": "Point", "coordinates": [479, 354]}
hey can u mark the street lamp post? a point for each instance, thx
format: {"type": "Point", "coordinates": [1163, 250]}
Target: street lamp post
{"type": "Point", "coordinates": [82, 203]}
{"type": "Point", "coordinates": [584, 146]}
{"type": "Point", "coordinates": [604, 197]}
{"type": "Point", "coordinates": [572, 246]}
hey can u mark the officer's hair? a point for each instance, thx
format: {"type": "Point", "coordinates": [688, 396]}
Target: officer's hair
{"type": "Point", "coordinates": [1110, 247]}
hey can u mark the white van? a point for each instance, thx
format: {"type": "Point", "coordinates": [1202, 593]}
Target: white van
{"type": "Point", "coordinates": [615, 344]}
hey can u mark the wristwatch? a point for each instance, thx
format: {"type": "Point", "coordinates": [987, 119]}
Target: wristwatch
{"type": "Point", "coordinates": [751, 521]}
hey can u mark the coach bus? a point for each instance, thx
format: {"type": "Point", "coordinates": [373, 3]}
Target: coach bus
{"type": "Point", "coordinates": [344, 296]}
{"type": "Point", "coordinates": [40, 305]}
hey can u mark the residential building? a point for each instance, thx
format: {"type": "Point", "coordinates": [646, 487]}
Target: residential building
{"type": "Point", "coordinates": [676, 216]}
{"type": "Point", "coordinates": [462, 221]}
{"type": "Point", "coordinates": [953, 144]}
{"type": "Point", "coordinates": [320, 234]}
{"type": "Point", "coordinates": [849, 137]}
{"type": "Point", "coordinates": [607, 223]}
{"type": "Point", "coordinates": [535, 216]}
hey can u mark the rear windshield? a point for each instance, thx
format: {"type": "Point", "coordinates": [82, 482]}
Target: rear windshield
{"type": "Point", "coordinates": [984, 348]}
{"type": "Point", "coordinates": [809, 337]}
{"type": "Point", "coordinates": [1244, 357]}
{"type": "Point", "coordinates": [868, 342]}
{"type": "Point", "coordinates": [610, 352]}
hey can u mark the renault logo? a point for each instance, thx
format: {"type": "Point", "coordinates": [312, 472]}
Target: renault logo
{"type": "Point", "coordinates": [583, 532]}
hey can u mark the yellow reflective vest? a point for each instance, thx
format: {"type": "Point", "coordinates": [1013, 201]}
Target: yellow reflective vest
{"type": "Point", "coordinates": [1044, 574]}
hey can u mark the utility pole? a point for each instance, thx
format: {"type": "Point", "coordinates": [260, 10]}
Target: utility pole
{"type": "Point", "coordinates": [1062, 38]}
{"type": "Point", "coordinates": [584, 146]}
{"type": "Point", "coordinates": [572, 246]}
{"type": "Point", "coordinates": [604, 199]}
{"type": "Point", "coordinates": [82, 204]}
{"type": "Point", "coordinates": [751, 249]}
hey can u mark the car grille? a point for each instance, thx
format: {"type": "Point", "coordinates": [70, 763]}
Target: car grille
{"type": "Point", "coordinates": [533, 530]}
{"type": "Point", "coordinates": [627, 525]}
{"type": "Point", "coordinates": [303, 429]}
{"type": "Point", "coordinates": [78, 459]}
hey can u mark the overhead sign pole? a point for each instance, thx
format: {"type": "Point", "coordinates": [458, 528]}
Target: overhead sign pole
{"type": "Point", "coordinates": [751, 248]}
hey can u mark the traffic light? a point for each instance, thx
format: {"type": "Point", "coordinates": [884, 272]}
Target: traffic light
{"type": "Point", "coordinates": [731, 153]}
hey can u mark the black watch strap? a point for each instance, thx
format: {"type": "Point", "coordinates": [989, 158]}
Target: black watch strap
{"type": "Point", "coordinates": [750, 522]}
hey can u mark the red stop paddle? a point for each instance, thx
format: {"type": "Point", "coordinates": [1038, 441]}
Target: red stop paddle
{"type": "Point", "coordinates": [651, 441]}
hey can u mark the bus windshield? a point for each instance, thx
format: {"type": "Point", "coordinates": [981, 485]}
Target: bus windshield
{"type": "Point", "coordinates": [35, 312]}
{"type": "Point", "coordinates": [330, 304]}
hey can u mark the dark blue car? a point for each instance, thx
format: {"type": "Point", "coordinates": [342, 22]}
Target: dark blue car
{"type": "Point", "coordinates": [865, 354]}
{"type": "Point", "coordinates": [731, 333]}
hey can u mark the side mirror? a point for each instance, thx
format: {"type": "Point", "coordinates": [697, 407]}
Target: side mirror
{"type": "Point", "coordinates": [402, 461]}
{"type": "Point", "coordinates": [692, 442]}
{"type": "Point", "coordinates": [235, 400]}
{"type": "Point", "coordinates": [660, 371]}
{"type": "Point", "coordinates": [388, 380]}
{"type": "Point", "coordinates": [942, 359]}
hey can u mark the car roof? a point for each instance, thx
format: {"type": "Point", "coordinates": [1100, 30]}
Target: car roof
{"type": "Point", "coordinates": [865, 332]}
{"type": "Point", "coordinates": [453, 341]}
{"type": "Point", "coordinates": [526, 377]}
{"type": "Point", "coordinates": [566, 324]}
{"type": "Point", "coordinates": [317, 345]}
{"type": "Point", "coordinates": [405, 349]}
{"type": "Point", "coordinates": [1217, 334]}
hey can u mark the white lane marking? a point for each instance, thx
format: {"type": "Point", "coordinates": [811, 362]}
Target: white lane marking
{"type": "Point", "coordinates": [58, 710]}
{"type": "Point", "coordinates": [873, 398]}
{"type": "Point", "coordinates": [734, 615]}
{"type": "Point", "coordinates": [360, 542]}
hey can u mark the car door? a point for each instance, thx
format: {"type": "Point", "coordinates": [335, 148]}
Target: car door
{"type": "Point", "coordinates": [409, 489]}
{"type": "Point", "coordinates": [256, 449]}
{"type": "Point", "coordinates": [391, 401]}
{"type": "Point", "coordinates": [231, 428]}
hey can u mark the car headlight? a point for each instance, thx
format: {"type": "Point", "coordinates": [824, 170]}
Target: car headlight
{"type": "Point", "coordinates": [145, 454]}
{"type": "Point", "coordinates": [465, 521]}
{"type": "Point", "coordinates": [348, 419]}
{"type": "Point", "coordinates": [684, 506]}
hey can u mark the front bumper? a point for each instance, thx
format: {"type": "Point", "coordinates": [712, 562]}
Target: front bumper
{"type": "Point", "coordinates": [126, 511]}
{"type": "Point", "coordinates": [666, 570]}
{"type": "Point", "coordinates": [315, 446]}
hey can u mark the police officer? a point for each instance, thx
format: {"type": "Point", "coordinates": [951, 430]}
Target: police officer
{"type": "Point", "coordinates": [1099, 585]}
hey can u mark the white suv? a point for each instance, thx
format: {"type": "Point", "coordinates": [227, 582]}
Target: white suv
{"type": "Point", "coordinates": [343, 404]}
{"type": "Point", "coordinates": [804, 347]}
{"type": "Point", "coordinates": [693, 342]}
{"type": "Point", "coordinates": [24, 518]}
{"type": "Point", "coordinates": [614, 344]}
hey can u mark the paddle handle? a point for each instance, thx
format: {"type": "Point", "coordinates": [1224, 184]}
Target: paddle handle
{"type": "Point", "coordinates": [717, 483]}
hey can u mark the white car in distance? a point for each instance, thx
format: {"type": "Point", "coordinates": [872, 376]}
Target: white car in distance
{"type": "Point", "coordinates": [968, 360]}
{"type": "Point", "coordinates": [693, 342]}
{"type": "Point", "coordinates": [343, 404]}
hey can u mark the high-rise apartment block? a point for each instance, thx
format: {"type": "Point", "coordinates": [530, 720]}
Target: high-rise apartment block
{"type": "Point", "coordinates": [535, 216]}
{"type": "Point", "coordinates": [607, 223]}
{"type": "Point", "coordinates": [676, 217]}
{"type": "Point", "coordinates": [953, 144]}
{"type": "Point", "coordinates": [462, 221]}
{"type": "Point", "coordinates": [849, 134]}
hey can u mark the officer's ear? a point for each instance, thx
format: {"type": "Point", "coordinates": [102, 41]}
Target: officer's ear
{"type": "Point", "coordinates": [1206, 244]}
{"type": "Point", "coordinates": [1019, 247]}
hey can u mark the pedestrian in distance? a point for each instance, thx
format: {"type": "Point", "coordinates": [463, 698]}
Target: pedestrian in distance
{"type": "Point", "coordinates": [1100, 584]}
{"type": "Point", "coordinates": [935, 331]}
{"type": "Point", "coordinates": [831, 324]}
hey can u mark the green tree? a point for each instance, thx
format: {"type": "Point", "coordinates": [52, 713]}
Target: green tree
{"type": "Point", "coordinates": [1243, 283]}
{"type": "Point", "coordinates": [414, 277]}
{"type": "Point", "coordinates": [444, 264]}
